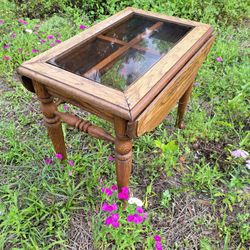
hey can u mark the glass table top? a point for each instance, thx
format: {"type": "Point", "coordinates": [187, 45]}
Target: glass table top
{"type": "Point", "coordinates": [122, 54]}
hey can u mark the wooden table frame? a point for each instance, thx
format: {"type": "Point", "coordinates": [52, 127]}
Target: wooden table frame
{"type": "Point", "coordinates": [140, 107]}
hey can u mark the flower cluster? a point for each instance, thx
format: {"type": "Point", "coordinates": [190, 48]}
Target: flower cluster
{"type": "Point", "coordinates": [124, 194]}
{"type": "Point", "coordinates": [113, 220]}
{"type": "Point", "coordinates": [109, 208]}
{"type": "Point", "coordinates": [158, 245]}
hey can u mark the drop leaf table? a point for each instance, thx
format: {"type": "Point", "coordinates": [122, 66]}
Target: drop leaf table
{"type": "Point", "coordinates": [130, 69]}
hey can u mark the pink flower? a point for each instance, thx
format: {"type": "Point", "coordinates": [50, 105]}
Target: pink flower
{"type": "Point", "coordinates": [70, 173]}
{"type": "Point", "coordinates": [136, 218]}
{"type": "Point", "coordinates": [66, 107]}
{"type": "Point", "coordinates": [20, 49]}
{"type": "Point", "coordinates": [108, 221]}
{"type": "Point", "coordinates": [124, 194]}
{"type": "Point", "coordinates": [107, 191]}
{"type": "Point", "coordinates": [145, 216]}
{"type": "Point", "coordinates": [59, 156]}
{"type": "Point", "coordinates": [13, 35]}
{"type": "Point", "coordinates": [140, 210]}
{"type": "Point", "coordinates": [1, 21]}
{"type": "Point", "coordinates": [37, 27]}
{"type": "Point", "coordinates": [130, 218]}
{"type": "Point", "coordinates": [115, 224]}
{"type": "Point", "coordinates": [6, 58]}
{"type": "Point", "coordinates": [58, 41]}
{"type": "Point", "coordinates": [115, 217]}
{"type": "Point", "coordinates": [158, 245]}
{"type": "Point", "coordinates": [113, 220]}
{"type": "Point", "coordinates": [219, 59]}
{"type": "Point", "coordinates": [109, 208]}
{"type": "Point", "coordinates": [42, 41]}
{"type": "Point", "coordinates": [111, 158]}
{"type": "Point", "coordinates": [240, 153]}
{"type": "Point", "coordinates": [82, 27]}
{"type": "Point", "coordinates": [49, 37]}
{"type": "Point", "coordinates": [34, 50]}
{"type": "Point", "coordinates": [48, 161]}
{"type": "Point", "coordinates": [114, 187]}
{"type": "Point", "coordinates": [6, 46]}
{"type": "Point", "coordinates": [21, 21]}
{"type": "Point", "coordinates": [52, 44]}
{"type": "Point", "coordinates": [71, 163]}
{"type": "Point", "coordinates": [157, 238]}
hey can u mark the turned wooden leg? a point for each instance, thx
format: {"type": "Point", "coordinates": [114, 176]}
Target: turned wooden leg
{"type": "Point", "coordinates": [51, 120]}
{"type": "Point", "coordinates": [123, 153]}
{"type": "Point", "coordinates": [183, 102]}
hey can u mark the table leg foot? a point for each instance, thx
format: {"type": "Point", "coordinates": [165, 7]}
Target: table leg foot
{"type": "Point", "coordinates": [123, 154]}
{"type": "Point", "coordinates": [182, 106]}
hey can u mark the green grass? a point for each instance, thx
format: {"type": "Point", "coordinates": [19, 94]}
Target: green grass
{"type": "Point", "coordinates": [195, 192]}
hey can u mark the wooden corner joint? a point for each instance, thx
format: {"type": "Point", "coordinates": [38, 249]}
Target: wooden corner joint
{"type": "Point", "coordinates": [85, 126]}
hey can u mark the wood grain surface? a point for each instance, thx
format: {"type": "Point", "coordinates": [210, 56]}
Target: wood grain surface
{"type": "Point", "coordinates": [164, 102]}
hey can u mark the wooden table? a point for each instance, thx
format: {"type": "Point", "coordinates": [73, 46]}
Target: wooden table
{"type": "Point", "coordinates": [130, 69]}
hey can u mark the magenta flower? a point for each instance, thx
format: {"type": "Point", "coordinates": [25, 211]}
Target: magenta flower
{"type": "Point", "coordinates": [140, 210]}
{"type": "Point", "coordinates": [136, 218]}
{"type": "Point", "coordinates": [124, 194]}
{"type": "Point", "coordinates": [37, 27]}
{"type": "Point", "coordinates": [13, 35]}
{"type": "Point", "coordinates": [82, 27]}
{"type": "Point", "coordinates": [59, 156]}
{"type": "Point", "coordinates": [20, 49]}
{"type": "Point", "coordinates": [52, 44]}
{"type": "Point", "coordinates": [240, 153]}
{"type": "Point", "coordinates": [115, 217]}
{"type": "Point", "coordinates": [50, 37]}
{"type": "Point", "coordinates": [130, 218]}
{"type": "Point", "coordinates": [48, 161]}
{"type": "Point", "coordinates": [71, 163]}
{"type": "Point", "coordinates": [66, 107]}
{"type": "Point", "coordinates": [111, 158]}
{"type": "Point", "coordinates": [108, 221]}
{"type": "Point", "coordinates": [158, 245]}
{"type": "Point", "coordinates": [109, 208]}
{"type": "Point", "coordinates": [107, 191]}
{"type": "Point", "coordinates": [157, 238]}
{"type": "Point", "coordinates": [21, 21]}
{"type": "Point", "coordinates": [219, 59]}
{"type": "Point", "coordinates": [115, 224]}
{"type": "Point", "coordinates": [114, 187]}
{"type": "Point", "coordinates": [34, 50]}
{"type": "Point", "coordinates": [6, 46]}
{"type": "Point", "coordinates": [6, 58]}
{"type": "Point", "coordinates": [42, 41]}
{"type": "Point", "coordinates": [70, 173]}
{"type": "Point", "coordinates": [58, 41]}
{"type": "Point", "coordinates": [113, 220]}
{"type": "Point", "coordinates": [1, 21]}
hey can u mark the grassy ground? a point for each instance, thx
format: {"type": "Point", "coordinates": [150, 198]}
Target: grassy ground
{"type": "Point", "coordinates": [195, 192]}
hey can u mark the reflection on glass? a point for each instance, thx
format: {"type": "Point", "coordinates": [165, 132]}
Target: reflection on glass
{"type": "Point", "coordinates": [130, 29]}
{"type": "Point", "coordinates": [105, 59]}
{"type": "Point", "coordinates": [125, 70]}
{"type": "Point", "coordinates": [85, 56]}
